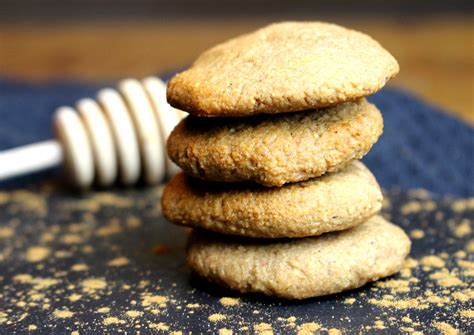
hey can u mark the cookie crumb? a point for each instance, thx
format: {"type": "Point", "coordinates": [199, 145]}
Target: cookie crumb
{"type": "Point", "coordinates": [398, 304]}
{"type": "Point", "coordinates": [414, 207]}
{"type": "Point", "coordinates": [216, 317]}
{"type": "Point", "coordinates": [160, 300]}
{"type": "Point", "coordinates": [463, 229]}
{"type": "Point", "coordinates": [6, 232]}
{"type": "Point", "coordinates": [133, 222]}
{"type": "Point", "coordinates": [462, 205]}
{"type": "Point", "coordinates": [74, 297]}
{"type": "Point", "coordinates": [159, 326]}
{"type": "Point", "coordinates": [460, 254]}
{"type": "Point", "coordinates": [445, 328]}
{"type": "Point", "coordinates": [468, 313]}
{"type": "Point", "coordinates": [395, 285]}
{"type": "Point", "coordinates": [226, 301]}
{"type": "Point", "coordinates": [193, 306]}
{"type": "Point", "coordinates": [63, 314]}
{"type": "Point", "coordinates": [460, 296]}
{"type": "Point", "coordinates": [112, 321]}
{"type": "Point", "coordinates": [417, 233]}
{"type": "Point", "coordinates": [263, 328]}
{"type": "Point", "coordinates": [432, 261]}
{"type": "Point", "coordinates": [79, 267]}
{"type": "Point", "coordinates": [103, 310]}
{"type": "Point", "coordinates": [119, 261]}
{"type": "Point", "coordinates": [308, 328]}
{"type": "Point", "coordinates": [410, 263]}
{"type": "Point", "coordinates": [111, 228]}
{"type": "Point", "coordinates": [446, 279]}
{"type": "Point", "coordinates": [37, 254]}
{"type": "Point", "coordinates": [93, 284]}
{"type": "Point", "coordinates": [133, 314]}
{"type": "Point", "coordinates": [379, 324]}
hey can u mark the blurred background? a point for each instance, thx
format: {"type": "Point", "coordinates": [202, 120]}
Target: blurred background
{"type": "Point", "coordinates": [102, 40]}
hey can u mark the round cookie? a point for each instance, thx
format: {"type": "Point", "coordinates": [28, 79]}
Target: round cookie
{"type": "Point", "coordinates": [301, 268]}
{"type": "Point", "coordinates": [284, 67]}
{"type": "Point", "coordinates": [335, 201]}
{"type": "Point", "coordinates": [275, 149]}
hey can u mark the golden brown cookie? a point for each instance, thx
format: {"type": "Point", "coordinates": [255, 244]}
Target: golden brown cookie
{"type": "Point", "coordinates": [275, 149]}
{"type": "Point", "coordinates": [335, 201]}
{"type": "Point", "coordinates": [301, 268]}
{"type": "Point", "coordinates": [284, 67]}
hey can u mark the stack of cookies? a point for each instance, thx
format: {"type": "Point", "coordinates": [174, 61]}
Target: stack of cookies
{"type": "Point", "coordinates": [271, 179]}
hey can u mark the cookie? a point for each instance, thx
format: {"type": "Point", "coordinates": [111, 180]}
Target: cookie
{"type": "Point", "coordinates": [301, 268]}
{"type": "Point", "coordinates": [284, 67]}
{"type": "Point", "coordinates": [275, 149]}
{"type": "Point", "coordinates": [335, 201]}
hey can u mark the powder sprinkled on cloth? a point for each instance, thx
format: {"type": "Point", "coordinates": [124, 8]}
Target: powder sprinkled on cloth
{"type": "Point", "coordinates": [119, 261]}
{"type": "Point", "coordinates": [134, 314]}
{"type": "Point", "coordinates": [148, 300]}
{"type": "Point", "coordinates": [79, 267]}
{"type": "Point", "coordinates": [226, 301]}
{"type": "Point", "coordinates": [308, 328]}
{"type": "Point", "coordinates": [37, 254]}
{"type": "Point", "coordinates": [112, 321]}
{"type": "Point", "coordinates": [93, 284]}
{"type": "Point", "coordinates": [216, 317]}
{"type": "Point", "coordinates": [159, 326]}
{"type": "Point", "coordinates": [63, 314]}
{"type": "Point", "coordinates": [446, 328]}
{"type": "Point", "coordinates": [417, 234]}
{"type": "Point", "coordinates": [263, 328]}
{"type": "Point", "coordinates": [432, 261]}
{"type": "Point", "coordinates": [463, 229]}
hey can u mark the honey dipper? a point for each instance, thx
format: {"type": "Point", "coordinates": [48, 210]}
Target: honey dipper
{"type": "Point", "coordinates": [118, 137]}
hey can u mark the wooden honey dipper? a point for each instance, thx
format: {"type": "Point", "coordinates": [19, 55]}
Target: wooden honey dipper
{"type": "Point", "coordinates": [119, 137]}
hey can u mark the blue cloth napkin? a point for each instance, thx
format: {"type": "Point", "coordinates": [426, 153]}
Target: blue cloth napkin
{"type": "Point", "coordinates": [422, 147]}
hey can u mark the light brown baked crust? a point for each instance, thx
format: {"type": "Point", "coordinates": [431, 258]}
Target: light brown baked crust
{"type": "Point", "coordinates": [283, 67]}
{"type": "Point", "coordinates": [275, 149]}
{"type": "Point", "coordinates": [301, 268]}
{"type": "Point", "coordinates": [333, 202]}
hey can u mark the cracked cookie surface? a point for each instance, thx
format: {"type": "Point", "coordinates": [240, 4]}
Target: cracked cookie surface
{"type": "Point", "coordinates": [335, 201]}
{"type": "Point", "coordinates": [283, 67]}
{"type": "Point", "coordinates": [301, 268]}
{"type": "Point", "coordinates": [273, 150]}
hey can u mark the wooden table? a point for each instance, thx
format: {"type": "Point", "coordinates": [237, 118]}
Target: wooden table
{"type": "Point", "coordinates": [435, 55]}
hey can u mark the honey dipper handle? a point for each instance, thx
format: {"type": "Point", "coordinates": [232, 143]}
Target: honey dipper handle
{"type": "Point", "coordinates": [30, 158]}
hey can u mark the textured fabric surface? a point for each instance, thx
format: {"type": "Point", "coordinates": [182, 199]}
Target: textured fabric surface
{"type": "Point", "coordinates": [64, 258]}
{"type": "Point", "coordinates": [422, 147]}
